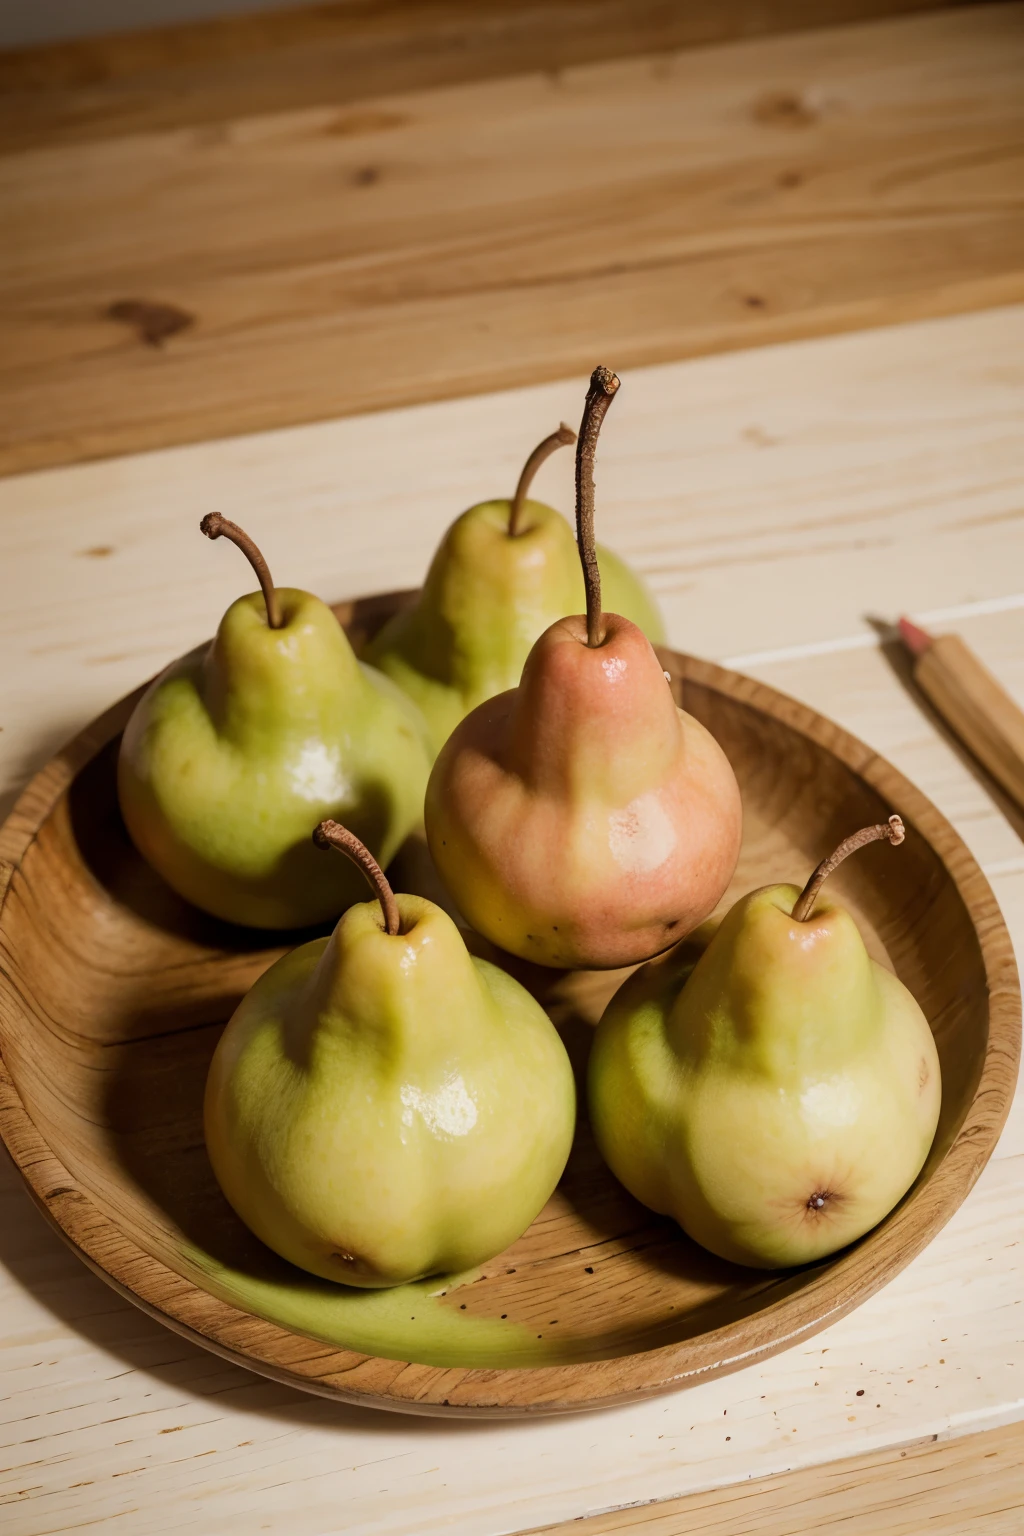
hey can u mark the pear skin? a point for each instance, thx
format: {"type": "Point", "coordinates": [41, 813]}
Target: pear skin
{"type": "Point", "coordinates": [780, 1098]}
{"type": "Point", "coordinates": [627, 593]}
{"type": "Point", "coordinates": [383, 1106]}
{"type": "Point", "coordinates": [486, 599]}
{"type": "Point", "coordinates": [581, 820]}
{"type": "Point", "coordinates": [236, 750]}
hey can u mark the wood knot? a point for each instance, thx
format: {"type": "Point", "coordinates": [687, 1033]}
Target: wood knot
{"type": "Point", "coordinates": [153, 323]}
{"type": "Point", "coordinates": [784, 109]}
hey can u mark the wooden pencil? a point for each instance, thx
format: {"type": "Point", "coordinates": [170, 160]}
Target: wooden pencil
{"type": "Point", "coordinates": [971, 702]}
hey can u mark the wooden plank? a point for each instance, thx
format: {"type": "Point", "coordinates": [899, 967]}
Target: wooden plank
{"type": "Point", "coordinates": [280, 61]}
{"type": "Point", "coordinates": [879, 472]}
{"type": "Point", "coordinates": [329, 261]}
{"type": "Point", "coordinates": [775, 497]}
{"type": "Point", "coordinates": [968, 1487]}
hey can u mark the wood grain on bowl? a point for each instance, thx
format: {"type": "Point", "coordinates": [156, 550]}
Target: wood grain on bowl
{"type": "Point", "coordinates": [113, 992]}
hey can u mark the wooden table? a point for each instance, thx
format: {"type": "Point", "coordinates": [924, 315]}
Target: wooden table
{"type": "Point", "coordinates": [779, 500]}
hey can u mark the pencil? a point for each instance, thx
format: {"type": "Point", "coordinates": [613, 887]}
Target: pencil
{"type": "Point", "coordinates": [971, 702]}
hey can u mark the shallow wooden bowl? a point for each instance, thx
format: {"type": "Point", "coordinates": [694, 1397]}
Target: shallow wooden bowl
{"type": "Point", "coordinates": [113, 993]}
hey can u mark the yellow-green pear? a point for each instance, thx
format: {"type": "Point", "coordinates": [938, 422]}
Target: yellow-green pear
{"type": "Point", "coordinates": [502, 574]}
{"type": "Point", "coordinates": [384, 1106]}
{"type": "Point", "coordinates": [238, 748]}
{"type": "Point", "coordinates": [778, 1097]}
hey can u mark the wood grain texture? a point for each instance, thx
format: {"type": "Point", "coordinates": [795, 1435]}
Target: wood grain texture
{"type": "Point", "coordinates": [424, 244]}
{"type": "Point", "coordinates": [277, 61]}
{"type": "Point", "coordinates": [105, 1057]}
{"type": "Point", "coordinates": [968, 1487]}
{"type": "Point", "coordinates": [772, 499]}
{"type": "Point", "coordinates": [977, 708]}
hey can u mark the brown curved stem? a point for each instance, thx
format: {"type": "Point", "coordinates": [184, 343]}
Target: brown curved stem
{"type": "Point", "coordinates": [603, 384]}
{"type": "Point", "coordinates": [891, 830]}
{"type": "Point", "coordinates": [560, 439]}
{"type": "Point", "coordinates": [217, 527]}
{"type": "Point", "coordinates": [331, 834]}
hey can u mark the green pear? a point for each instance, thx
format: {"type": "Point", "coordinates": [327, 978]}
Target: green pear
{"type": "Point", "coordinates": [239, 747]}
{"type": "Point", "coordinates": [382, 1105]}
{"type": "Point", "coordinates": [503, 573]}
{"type": "Point", "coordinates": [779, 1096]}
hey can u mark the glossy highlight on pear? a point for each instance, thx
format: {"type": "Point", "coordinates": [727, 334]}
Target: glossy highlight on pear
{"type": "Point", "coordinates": [240, 746]}
{"type": "Point", "coordinates": [777, 1097]}
{"type": "Point", "coordinates": [383, 1106]}
{"type": "Point", "coordinates": [582, 820]}
{"type": "Point", "coordinates": [504, 571]}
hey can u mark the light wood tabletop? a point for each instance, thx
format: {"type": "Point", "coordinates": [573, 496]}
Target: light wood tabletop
{"type": "Point", "coordinates": [786, 502]}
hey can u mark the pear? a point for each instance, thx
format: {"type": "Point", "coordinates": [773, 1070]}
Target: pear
{"type": "Point", "coordinates": [780, 1098]}
{"type": "Point", "coordinates": [383, 1106]}
{"type": "Point", "coordinates": [237, 748]}
{"type": "Point", "coordinates": [503, 572]}
{"type": "Point", "coordinates": [581, 819]}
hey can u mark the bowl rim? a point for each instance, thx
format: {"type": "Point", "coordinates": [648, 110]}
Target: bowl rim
{"type": "Point", "coordinates": [299, 1361]}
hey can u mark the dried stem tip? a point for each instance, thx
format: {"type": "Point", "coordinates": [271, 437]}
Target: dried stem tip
{"type": "Point", "coordinates": [331, 834]}
{"type": "Point", "coordinates": [891, 831]}
{"type": "Point", "coordinates": [603, 384]}
{"type": "Point", "coordinates": [217, 527]}
{"type": "Point", "coordinates": [560, 439]}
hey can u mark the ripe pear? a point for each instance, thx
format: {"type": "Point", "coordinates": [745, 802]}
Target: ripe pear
{"type": "Point", "coordinates": [383, 1106]}
{"type": "Point", "coordinates": [503, 572]}
{"type": "Point", "coordinates": [779, 1098]}
{"type": "Point", "coordinates": [581, 819]}
{"type": "Point", "coordinates": [235, 750]}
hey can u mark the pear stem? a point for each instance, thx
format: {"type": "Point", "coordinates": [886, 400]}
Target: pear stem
{"type": "Point", "coordinates": [560, 439]}
{"type": "Point", "coordinates": [331, 834]}
{"type": "Point", "coordinates": [891, 830]}
{"type": "Point", "coordinates": [216, 527]}
{"type": "Point", "coordinates": [603, 384]}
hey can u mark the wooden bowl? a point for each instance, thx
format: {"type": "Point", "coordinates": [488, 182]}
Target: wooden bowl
{"type": "Point", "coordinates": [113, 993]}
